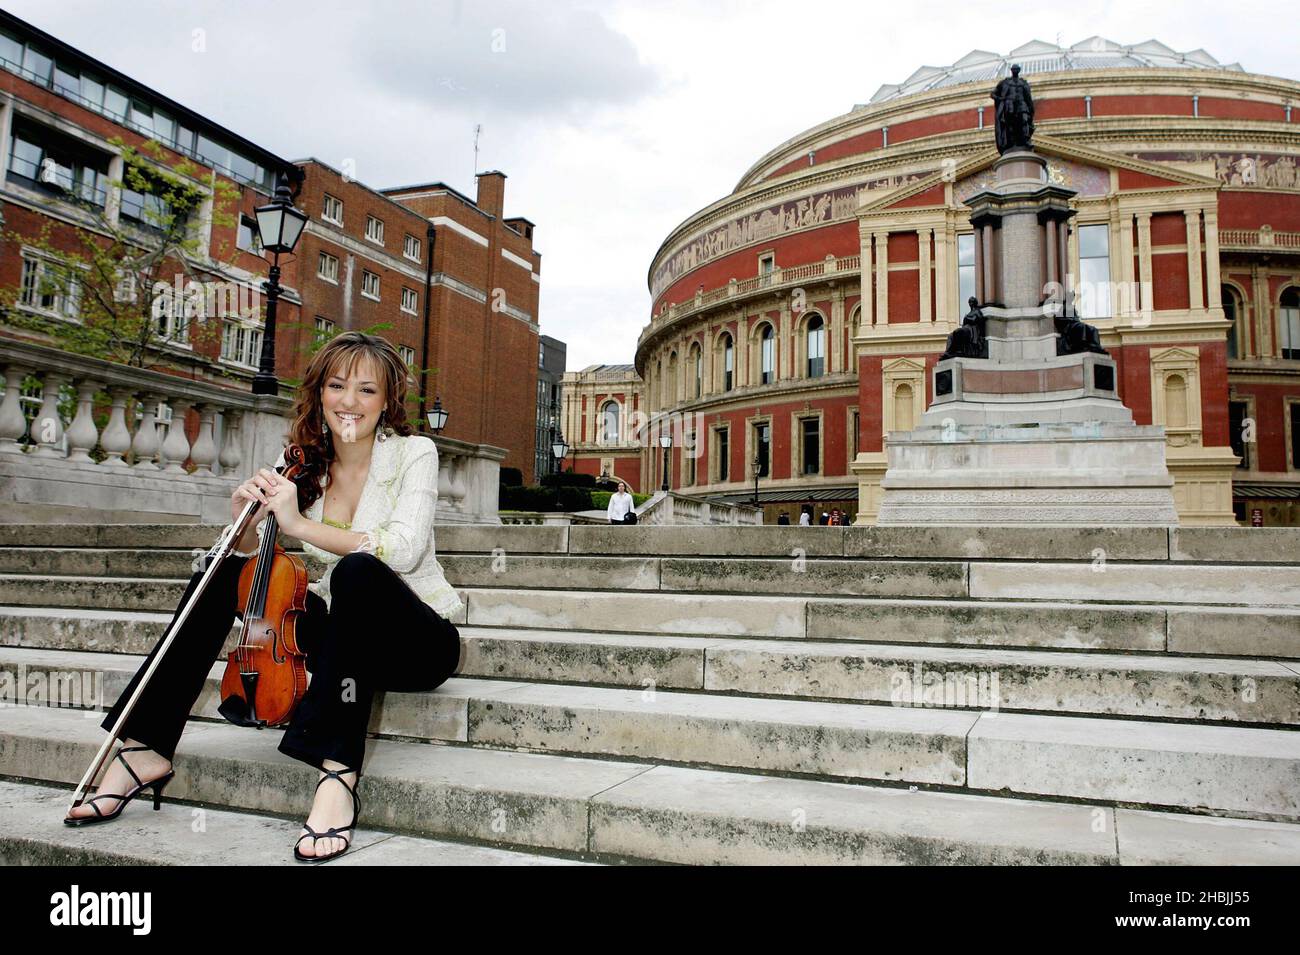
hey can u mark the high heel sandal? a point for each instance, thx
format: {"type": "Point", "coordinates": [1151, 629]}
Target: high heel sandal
{"type": "Point", "coordinates": [158, 785]}
{"type": "Point", "coordinates": [332, 833]}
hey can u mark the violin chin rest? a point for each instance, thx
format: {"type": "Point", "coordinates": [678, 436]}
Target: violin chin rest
{"type": "Point", "coordinates": [235, 709]}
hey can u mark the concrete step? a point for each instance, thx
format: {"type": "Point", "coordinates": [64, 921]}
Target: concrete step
{"type": "Point", "coordinates": [1265, 692]}
{"type": "Point", "coordinates": [32, 833]}
{"type": "Point", "coordinates": [619, 810]}
{"type": "Point", "coordinates": [1246, 771]}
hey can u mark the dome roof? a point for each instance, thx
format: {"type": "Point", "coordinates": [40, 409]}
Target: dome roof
{"type": "Point", "coordinates": [1094, 53]}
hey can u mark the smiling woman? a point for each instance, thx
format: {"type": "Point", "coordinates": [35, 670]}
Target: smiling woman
{"type": "Point", "coordinates": [364, 507]}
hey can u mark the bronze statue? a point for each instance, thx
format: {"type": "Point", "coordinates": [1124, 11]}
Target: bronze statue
{"type": "Point", "coordinates": [968, 341]}
{"type": "Point", "coordinates": [1014, 123]}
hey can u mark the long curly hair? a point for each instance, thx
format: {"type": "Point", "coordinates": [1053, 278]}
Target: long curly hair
{"type": "Point", "coordinates": [340, 356]}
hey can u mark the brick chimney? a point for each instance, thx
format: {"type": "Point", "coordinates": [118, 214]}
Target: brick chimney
{"type": "Point", "coordinates": [492, 192]}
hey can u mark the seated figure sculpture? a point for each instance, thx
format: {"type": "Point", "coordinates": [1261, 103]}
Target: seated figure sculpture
{"type": "Point", "coordinates": [968, 341]}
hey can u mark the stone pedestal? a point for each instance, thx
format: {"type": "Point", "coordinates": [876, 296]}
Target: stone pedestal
{"type": "Point", "coordinates": [1023, 434]}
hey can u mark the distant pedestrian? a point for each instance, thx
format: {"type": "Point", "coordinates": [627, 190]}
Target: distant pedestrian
{"type": "Point", "coordinates": [784, 518]}
{"type": "Point", "coordinates": [805, 517]}
{"type": "Point", "coordinates": [835, 517]}
{"type": "Point", "coordinates": [620, 510]}
{"type": "Point", "coordinates": [825, 519]}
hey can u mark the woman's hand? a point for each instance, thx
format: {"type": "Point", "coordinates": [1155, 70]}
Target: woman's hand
{"type": "Point", "coordinates": [276, 495]}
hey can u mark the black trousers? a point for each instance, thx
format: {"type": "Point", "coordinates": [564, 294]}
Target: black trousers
{"type": "Point", "coordinates": [375, 635]}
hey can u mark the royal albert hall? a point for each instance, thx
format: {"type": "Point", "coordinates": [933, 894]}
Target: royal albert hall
{"type": "Point", "coordinates": [795, 322]}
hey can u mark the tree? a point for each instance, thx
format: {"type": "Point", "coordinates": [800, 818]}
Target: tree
{"type": "Point", "coordinates": [118, 276]}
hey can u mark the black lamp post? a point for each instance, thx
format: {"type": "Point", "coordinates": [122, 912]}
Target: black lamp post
{"type": "Point", "coordinates": [665, 442]}
{"type": "Point", "coordinates": [279, 225]}
{"type": "Point", "coordinates": [757, 464]}
{"type": "Point", "coordinates": [558, 451]}
{"type": "Point", "coordinates": [437, 416]}
{"type": "Point", "coordinates": [430, 235]}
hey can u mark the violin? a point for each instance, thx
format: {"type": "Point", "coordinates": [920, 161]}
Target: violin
{"type": "Point", "coordinates": [266, 674]}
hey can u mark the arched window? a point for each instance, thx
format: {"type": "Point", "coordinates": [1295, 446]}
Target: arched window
{"type": "Point", "coordinates": [816, 347]}
{"type": "Point", "coordinates": [670, 383]}
{"type": "Point", "coordinates": [1288, 317]}
{"type": "Point", "coordinates": [1233, 313]}
{"type": "Point", "coordinates": [769, 354]}
{"type": "Point", "coordinates": [728, 363]}
{"type": "Point", "coordinates": [697, 364]}
{"type": "Point", "coordinates": [609, 430]}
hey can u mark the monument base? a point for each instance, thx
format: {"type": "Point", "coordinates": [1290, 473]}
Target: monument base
{"type": "Point", "coordinates": [1028, 474]}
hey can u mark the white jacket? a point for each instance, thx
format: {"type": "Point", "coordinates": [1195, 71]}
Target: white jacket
{"type": "Point", "coordinates": [619, 506]}
{"type": "Point", "coordinates": [395, 511]}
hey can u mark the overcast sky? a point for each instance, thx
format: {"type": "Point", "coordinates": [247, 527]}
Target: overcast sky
{"type": "Point", "coordinates": [614, 120]}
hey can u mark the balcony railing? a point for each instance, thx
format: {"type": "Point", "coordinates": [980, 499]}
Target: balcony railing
{"type": "Point", "coordinates": [1259, 240]}
{"type": "Point", "coordinates": [776, 280]}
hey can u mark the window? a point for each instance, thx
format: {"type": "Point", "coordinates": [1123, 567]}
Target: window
{"type": "Point", "coordinates": [811, 433]}
{"type": "Point", "coordinates": [408, 355]}
{"type": "Point", "coordinates": [1231, 311]}
{"type": "Point", "coordinates": [609, 430]}
{"type": "Point", "coordinates": [370, 285]}
{"type": "Point", "coordinates": [249, 239]}
{"type": "Point", "coordinates": [332, 210]}
{"type": "Point", "coordinates": [375, 229]}
{"type": "Point", "coordinates": [1288, 317]}
{"type": "Point", "coordinates": [965, 269]}
{"type": "Point", "coordinates": [327, 267]}
{"type": "Point", "coordinates": [769, 355]}
{"type": "Point", "coordinates": [172, 312]}
{"type": "Point", "coordinates": [50, 287]}
{"type": "Point", "coordinates": [816, 347]}
{"type": "Point", "coordinates": [857, 424]}
{"type": "Point", "coordinates": [691, 453]}
{"type": "Point", "coordinates": [763, 447]}
{"type": "Point", "coordinates": [724, 454]}
{"type": "Point", "coordinates": [1093, 300]}
{"type": "Point", "coordinates": [324, 329]}
{"type": "Point", "coordinates": [728, 362]}
{"type": "Point", "coordinates": [766, 266]}
{"type": "Point", "coordinates": [146, 208]}
{"type": "Point", "coordinates": [410, 299]}
{"type": "Point", "coordinates": [1293, 408]}
{"type": "Point", "coordinates": [411, 247]}
{"type": "Point", "coordinates": [698, 362]}
{"type": "Point", "coordinates": [1238, 412]}
{"type": "Point", "coordinates": [43, 160]}
{"type": "Point", "coordinates": [241, 343]}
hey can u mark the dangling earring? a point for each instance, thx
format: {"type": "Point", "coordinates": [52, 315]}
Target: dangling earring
{"type": "Point", "coordinates": [381, 436]}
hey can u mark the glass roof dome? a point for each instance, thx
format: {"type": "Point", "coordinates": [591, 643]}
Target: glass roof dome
{"type": "Point", "coordinates": [1094, 53]}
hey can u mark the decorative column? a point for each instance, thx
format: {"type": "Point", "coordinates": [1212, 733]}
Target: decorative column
{"type": "Point", "coordinates": [865, 270]}
{"type": "Point", "coordinates": [881, 240]}
{"type": "Point", "coordinates": [785, 343]}
{"type": "Point", "coordinates": [145, 444]}
{"type": "Point", "coordinates": [1213, 281]}
{"type": "Point", "coordinates": [739, 357]}
{"type": "Point", "coordinates": [176, 446]}
{"type": "Point", "coordinates": [230, 457]}
{"type": "Point", "coordinates": [942, 296]}
{"type": "Point", "coordinates": [835, 337]}
{"type": "Point", "coordinates": [47, 428]}
{"type": "Point", "coordinates": [204, 452]}
{"type": "Point", "coordinates": [923, 252]}
{"type": "Point", "coordinates": [1195, 294]}
{"type": "Point", "coordinates": [82, 433]}
{"type": "Point", "coordinates": [116, 439]}
{"type": "Point", "coordinates": [13, 424]}
{"type": "Point", "coordinates": [989, 263]}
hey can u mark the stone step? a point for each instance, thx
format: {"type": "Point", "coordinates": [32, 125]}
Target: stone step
{"type": "Point", "coordinates": [620, 810]}
{"type": "Point", "coordinates": [1248, 771]}
{"type": "Point", "coordinates": [1237, 545]}
{"type": "Point", "coordinates": [1142, 685]}
{"type": "Point", "coordinates": [32, 833]}
{"type": "Point", "coordinates": [1111, 581]}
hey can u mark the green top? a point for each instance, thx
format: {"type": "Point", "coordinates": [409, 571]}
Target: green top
{"type": "Point", "coordinates": [346, 527]}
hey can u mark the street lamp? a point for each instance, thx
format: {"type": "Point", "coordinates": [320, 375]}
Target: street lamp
{"type": "Point", "coordinates": [758, 463]}
{"type": "Point", "coordinates": [665, 442]}
{"type": "Point", "coordinates": [437, 416]}
{"type": "Point", "coordinates": [558, 450]}
{"type": "Point", "coordinates": [279, 225]}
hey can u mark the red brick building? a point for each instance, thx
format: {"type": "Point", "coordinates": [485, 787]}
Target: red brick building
{"type": "Point", "coordinates": [796, 321]}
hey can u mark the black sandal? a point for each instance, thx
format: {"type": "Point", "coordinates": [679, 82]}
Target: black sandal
{"type": "Point", "coordinates": [332, 833]}
{"type": "Point", "coordinates": [158, 785]}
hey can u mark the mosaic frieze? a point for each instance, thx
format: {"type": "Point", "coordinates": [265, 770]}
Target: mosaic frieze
{"type": "Point", "coordinates": [1258, 170]}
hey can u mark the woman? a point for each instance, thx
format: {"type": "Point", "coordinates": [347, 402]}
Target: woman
{"type": "Point", "coordinates": [620, 505]}
{"type": "Point", "coordinates": [364, 507]}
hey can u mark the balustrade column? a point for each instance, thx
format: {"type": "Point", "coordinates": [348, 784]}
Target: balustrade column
{"type": "Point", "coordinates": [231, 457]}
{"type": "Point", "coordinates": [13, 423]}
{"type": "Point", "coordinates": [204, 452]}
{"type": "Point", "coordinates": [116, 439]}
{"type": "Point", "coordinates": [176, 446]}
{"type": "Point", "coordinates": [47, 428]}
{"type": "Point", "coordinates": [82, 433]}
{"type": "Point", "coordinates": [145, 444]}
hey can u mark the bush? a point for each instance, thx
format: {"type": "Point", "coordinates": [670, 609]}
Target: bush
{"type": "Point", "coordinates": [511, 477]}
{"type": "Point", "coordinates": [600, 499]}
{"type": "Point", "coordinates": [533, 498]}
{"type": "Point", "coordinates": [569, 479]}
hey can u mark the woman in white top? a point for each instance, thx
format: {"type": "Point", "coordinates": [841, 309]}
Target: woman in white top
{"type": "Point", "coordinates": [620, 505]}
{"type": "Point", "coordinates": [365, 507]}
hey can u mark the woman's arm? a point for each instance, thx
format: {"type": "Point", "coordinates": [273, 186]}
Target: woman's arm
{"type": "Point", "coordinates": [336, 540]}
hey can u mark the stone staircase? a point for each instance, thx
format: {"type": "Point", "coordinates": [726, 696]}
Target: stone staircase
{"type": "Point", "coordinates": [724, 694]}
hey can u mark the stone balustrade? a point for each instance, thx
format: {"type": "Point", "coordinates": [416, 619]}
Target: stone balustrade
{"type": "Point", "coordinates": [670, 507]}
{"type": "Point", "coordinates": [150, 468]}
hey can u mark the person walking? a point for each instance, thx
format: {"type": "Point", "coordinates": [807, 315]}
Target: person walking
{"type": "Point", "coordinates": [620, 506]}
{"type": "Point", "coordinates": [363, 505]}
{"type": "Point", "coordinates": [805, 516]}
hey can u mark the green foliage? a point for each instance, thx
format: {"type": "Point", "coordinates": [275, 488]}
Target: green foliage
{"type": "Point", "coordinates": [533, 498]}
{"type": "Point", "coordinates": [600, 499]}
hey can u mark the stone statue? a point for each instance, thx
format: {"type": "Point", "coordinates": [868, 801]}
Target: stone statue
{"type": "Point", "coordinates": [1014, 123]}
{"type": "Point", "coordinates": [1075, 335]}
{"type": "Point", "coordinates": [968, 341]}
